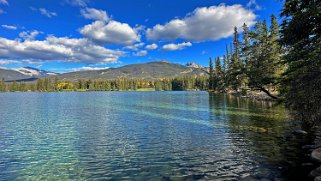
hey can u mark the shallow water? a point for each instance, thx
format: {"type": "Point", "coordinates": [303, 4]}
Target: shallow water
{"type": "Point", "coordinates": [143, 136]}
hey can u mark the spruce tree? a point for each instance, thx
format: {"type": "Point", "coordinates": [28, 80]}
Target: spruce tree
{"type": "Point", "coordinates": [211, 75]}
{"type": "Point", "coordinates": [301, 34]}
{"type": "Point", "coordinates": [218, 75]}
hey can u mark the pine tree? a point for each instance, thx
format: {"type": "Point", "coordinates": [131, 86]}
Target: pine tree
{"type": "Point", "coordinates": [3, 86]}
{"type": "Point", "coordinates": [301, 33]}
{"type": "Point", "coordinates": [233, 78]}
{"type": "Point", "coordinates": [261, 67]}
{"type": "Point", "coordinates": [246, 45]}
{"type": "Point", "coordinates": [211, 75]}
{"type": "Point", "coordinates": [236, 44]}
{"type": "Point", "coordinates": [275, 51]}
{"type": "Point", "coordinates": [218, 75]}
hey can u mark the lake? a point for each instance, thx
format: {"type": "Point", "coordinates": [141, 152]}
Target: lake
{"type": "Point", "coordinates": [144, 136]}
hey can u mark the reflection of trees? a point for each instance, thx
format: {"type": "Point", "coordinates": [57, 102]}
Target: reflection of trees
{"type": "Point", "coordinates": [260, 128]}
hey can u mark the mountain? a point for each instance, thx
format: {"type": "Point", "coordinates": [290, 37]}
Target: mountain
{"type": "Point", "coordinates": [33, 72]}
{"type": "Point", "coordinates": [23, 74]}
{"type": "Point", "coordinates": [151, 70]}
{"type": "Point", "coordinates": [194, 65]}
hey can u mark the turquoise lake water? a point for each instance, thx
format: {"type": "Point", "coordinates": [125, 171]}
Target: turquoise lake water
{"type": "Point", "coordinates": [143, 136]}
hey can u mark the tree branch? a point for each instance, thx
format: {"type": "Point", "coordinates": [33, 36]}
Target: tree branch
{"type": "Point", "coordinates": [268, 93]}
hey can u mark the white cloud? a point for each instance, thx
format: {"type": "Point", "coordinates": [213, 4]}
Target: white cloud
{"type": "Point", "coordinates": [95, 14]}
{"type": "Point", "coordinates": [58, 49]}
{"type": "Point", "coordinates": [141, 53]}
{"type": "Point", "coordinates": [9, 27]}
{"type": "Point", "coordinates": [179, 46]}
{"type": "Point", "coordinates": [204, 24]}
{"type": "Point", "coordinates": [111, 32]}
{"type": "Point", "coordinates": [5, 62]}
{"type": "Point", "coordinates": [81, 3]}
{"type": "Point", "coordinates": [204, 52]}
{"type": "Point", "coordinates": [135, 46]}
{"type": "Point", "coordinates": [88, 68]}
{"type": "Point", "coordinates": [5, 2]}
{"type": "Point", "coordinates": [151, 46]}
{"type": "Point", "coordinates": [253, 3]}
{"type": "Point", "coordinates": [47, 13]}
{"type": "Point", "coordinates": [44, 12]}
{"type": "Point", "coordinates": [27, 35]}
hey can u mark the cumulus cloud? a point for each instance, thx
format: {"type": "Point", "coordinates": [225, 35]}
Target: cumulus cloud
{"type": "Point", "coordinates": [44, 12]}
{"type": "Point", "coordinates": [95, 14]}
{"type": "Point", "coordinates": [179, 46]}
{"type": "Point", "coordinates": [5, 2]}
{"type": "Point", "coordinates": [9, 27]}
{"type": "Point", "coordinates": [29, 35]}
{"type": "Point", "coordinates": [135, 46]}
{"type": "Point", "coordinates": [5, 62]}
{"type": "Point", "coordinates": [88, 69]}
{"type": "Point", "coordinates": [81, 3]}
{"type": "Point", "coordinates": [47, 13]}
{"type": "Point", "coordinates": [58, 49]}
{"type": "Point", "coordinates": [253, 4]}
{"type": "Point", "coordinates": [111, 32]}
{"type": "Point", "coordinates": [151, 46]}
{"type": "Point", "coordinates": [204, 24]}
{"type": "Point", "coordinates": [141, 53]}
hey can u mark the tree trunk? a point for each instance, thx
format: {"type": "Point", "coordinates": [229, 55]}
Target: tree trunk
{"type": "Point", "coordinates": [268, 93]}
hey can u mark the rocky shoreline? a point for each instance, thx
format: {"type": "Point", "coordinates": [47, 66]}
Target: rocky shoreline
{"type": "Point", "coordinates": [251, 94]}
{"type": "Point", "coordinates": [314, 151]}
{"type": "Point", "coordinates": [316, 156]}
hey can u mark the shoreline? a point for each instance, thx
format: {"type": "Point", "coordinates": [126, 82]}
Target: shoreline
{"type": "Point", "coordinates": [255, 95]}
{"type": "Point", "coordinates": [250, 94]}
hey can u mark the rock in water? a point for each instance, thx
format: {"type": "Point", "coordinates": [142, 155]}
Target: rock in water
{"type": "Point", "coordinates": [301, 132]}
{"type": "Point", "coordinates": [316, 172]}
{"type": "Point", "coordinates": [317, 178]}
{"type": "Point", "coordinates": [307, 147]}
{"type": "Point", "coordinates": [307, 164]}
{"type": "Point", "coordinates": [316, 154]}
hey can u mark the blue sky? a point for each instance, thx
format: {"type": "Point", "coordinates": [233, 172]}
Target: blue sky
{"type": "Point", "coordinates": [70, 35]}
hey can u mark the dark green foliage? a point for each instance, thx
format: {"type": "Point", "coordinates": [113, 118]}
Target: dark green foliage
{"type": "Point", "coordinates": [301, 34]}
{"type": "Point", "coordinates": [211, 80]}
{"type": "Point", "coordinates": [3, 86]}
{"type": "Point", "coordinates": [253, 63]}
{"type": "Point", "coordinates": [219, 79]}
{"type": "Point", "coordinates": [48, 85]}
{"type": "Point", "coordinates": [259, 63]}
{"type": "Point", "coordinates": [234, 71]}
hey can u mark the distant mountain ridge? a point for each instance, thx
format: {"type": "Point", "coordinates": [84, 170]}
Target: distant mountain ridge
{"type": "Point", "coordinates": [150, 70]}
{"type": "Point", "coordinates": [23, 74]}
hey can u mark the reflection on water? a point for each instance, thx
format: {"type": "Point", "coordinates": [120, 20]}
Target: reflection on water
{"type": "Point", "coordinates": [142, 136]}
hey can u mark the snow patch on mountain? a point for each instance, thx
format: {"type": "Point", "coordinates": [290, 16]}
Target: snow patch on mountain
{"type": "Point", "coordinates": [33, 72]}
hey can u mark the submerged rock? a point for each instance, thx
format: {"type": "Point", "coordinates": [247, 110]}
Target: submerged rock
{"type": "Point", "coordinates": [307, 164]}
{"type": "Point", "coordinates": [317, 178]}
{"type": "Point", "coordinates": [248, 178]}
{"type": "Point", "coordinates": [308, 147]}
{"type": "Point", "coordinates": [316, 172]}
{"type": "Point", "coordinates": [316, 154]}
{"type": "Point", "coordinates": [301, 132]}
{"type": "Point", "coordinates": [318, 145]}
